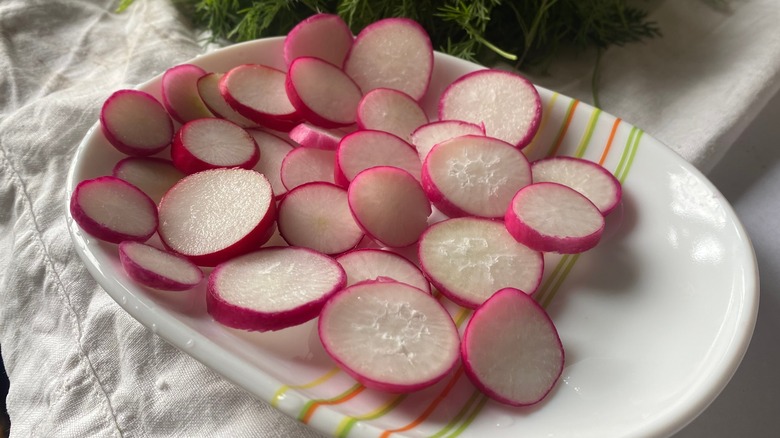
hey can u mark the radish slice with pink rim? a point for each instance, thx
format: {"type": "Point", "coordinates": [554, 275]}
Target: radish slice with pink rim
{"type": "Point", "coordinates": [429, 135]}
{"type": "Point", "coordinates": [154, 176]}
{"type": "Point", "coordinates": [586, 177]}
{"type": "Point", "coordinates": [392, 111]}
{"type": "Point", "coordinates": [325, 36]}
{"type": "Point", "coordinates": [310, 136]}
{"type": "Point", "coordinates": [208, 88]}
{"type": "Point", "coordinates": [552, 217]}
{"type": "Point", "coordinates": [372, 264]}
{"type": "Point", "coordinates": [135, 123]}
{"type": "Point", "coordinates": [273, 149]}
{"type": "Point", "coordinates": [469, 259]}
{"type": "Point", "coordinates": [361, 150]}
{"type": "Point", "coordinates": [511, 350]}
{"type": "Point", "coordinates": [213, 215]}
{"type": "Point", "coordinates": [272, 288]}
{"type": "Point", "coordinates": [180, 93]}
{"type": "Point", "coordinates": [213, 143]}
{"type": "Point", "coordinates": [158, 269]}
{"type": "Point", "coordinates": [389, 336]}
{"type": "Point", "coordinates": [113, 210]}
{"type": "Point", "coordinates": [258, 93]}
{"type": "Point", "coordinates": [508, 104]}
{"type": "Point", "coordinates": [303, 165]}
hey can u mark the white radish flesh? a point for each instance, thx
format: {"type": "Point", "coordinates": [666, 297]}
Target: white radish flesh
{"type": "Point", "coordinates": [392, 53]}
{"type": "Point", "coordinates": [213, 143]}
{"type": "Point", "coordinates": [322, 93]}
{"type": "Point", "coordinates": [213, 215]}
{"type": "Point", "coordinates": [180, 93]}
{"type": "Point", "coordinates": [392, 111]}
{"type": "Point", "coordinates": [258, 93]}
{"type": "Point", "coordinates": [389, 205]}
{"type": "Point", "coordinates": [508, 104]}
{"type": "Point", "coordinates": [469, 259]}
{"type": "Point", "coordinates": [325, 36]}
{"type": "Point", "coordinates": [361, 150]}
{"type": "Point", "coordinates": [429, 135]}
{"type": "Point", "coordinates": [511, 349]}
{"type": "Point", "coordinates": [158, 269]}
{"type": "Point", "coordinates": [389, 336]}
{"type": "Point", "coordinates": [273, 149]}
{"type": "Point", "coordinates": [135, 123]}
{"type": "Point", "coordinates": [303, 165]}
{"type": "Point", "coordinates": [272, 288]}
{"type": "Point", "coordinates": [372, 264]}
{"type": "Point", "coordinates": [208, 88]}
{"type": "Point", "coordinates": [113, 210]}
{"type": "Point", "coordinates": [586, 177]}
{"type": "Point", "coordinates": [310, 136]}
{"type": "Point", "coordinates": [552, 217]}
{"type": "Point", "coordinates": [316, 215]}
{"type": "Point", "coordinates": [474, 175]}
{"type": "Point", "coordinates": [154, 176]}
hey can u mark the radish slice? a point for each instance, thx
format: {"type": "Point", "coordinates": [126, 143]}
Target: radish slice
{"type": "Point", "coordinates": [322, 93]}
{"type": "Point", "coordinates": [469, 259]}
{"type": "Point", "coordinates": [272, 288]}
{"type": "Point", "coordinates": [158, 269]}
{"type": "Point", "coordinates": [135, 123]}
{"type": "Point", "coordinates": [554, 218]}
{"type": "Point", "coordinates": [154, 176]}
{"type": "Point", "coordinates": [316, 215]}
{"type": "Point", "coordinates": [113, 210]}
{"type": "Point", "coordinates": [213, 143]}
{"type": "Point", "coordinates": [389, 336]}
{"type": "Point", "coordinates": [429, 135]}
{"type": "Point", "coordinates": [303, 165]}
{"type": "Point", "coordinates": [391, 111]}
{"type": "Point", "coordinates": [474, 176]}
{"type": "Point", "coordinates": [180, 93]}
{"type": "Point", "coordinates": [392, 53]}
{"type": "Point", "coordinates": [389, 205]}
{"type": "Point", "coordinates": [586, 177]}
{"type": "Point", "coordinates": [507, 104]}
{"type": "Point", "coordinates": [208, 88]}
{"type": "Point", "coordinates": [258, 93]}
{"type": "Point", "coordinates": [273, 149]}
{"type": "Point", "coordinates": [511, 349]}
{"type": "Point", "coordinates": [325, 36]}
{"type": "Point", "coordinates": [363, 149]}
{"type": "Point", "coordinates": [310, 136]}
{"type": "Point", "coordinates": [213, 215]}
{"type": "Point", "coordinates": [372, 264]}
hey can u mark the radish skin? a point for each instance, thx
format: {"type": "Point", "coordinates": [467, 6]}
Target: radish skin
{"type": "Point", "coordinates": [429, 135]}
{"type": "Point", "coordinates": [325, 36]}
{"type": "Point", "coordinates": [364, 149]}
{"type": "Point", "coordinates": [210, 143]}
{"type": "Point", "coordinates": [180, 93]}
{"type": "Point", "coordinates": [158, 269]}
{"type": "Point", "coordinates": [310, 136]}
{"type": "Point", "coordinates": [258, 93]}
{"type": "Point", "coordinates": [208, 89]}
{"type": "Point", "coordinates": [135, 123]}
{"type": "Point", "coordinates": [586, 177]}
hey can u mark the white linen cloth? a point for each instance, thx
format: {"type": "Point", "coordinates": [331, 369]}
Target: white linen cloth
{"type": "Point", "coordinates": [79, 365]}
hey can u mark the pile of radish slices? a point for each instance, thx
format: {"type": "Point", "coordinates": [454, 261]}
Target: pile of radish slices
{"type": "Point", "coordinates": [336, 155]}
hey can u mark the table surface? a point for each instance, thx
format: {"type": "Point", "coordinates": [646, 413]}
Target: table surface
{"type": "Point", "coordinates": [749, 177]}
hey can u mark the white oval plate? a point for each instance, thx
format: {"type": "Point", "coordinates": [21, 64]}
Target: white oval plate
{"type": "Point", "coordinates": [655, 320]}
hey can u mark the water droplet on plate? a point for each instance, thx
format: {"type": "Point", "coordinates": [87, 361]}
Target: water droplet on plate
{"type": "Point", "coordinates": [190, 343]}
{"type": "Point", "coordinates": [123, 300]}
{"type": "Point", "coordinates": [154, 328]}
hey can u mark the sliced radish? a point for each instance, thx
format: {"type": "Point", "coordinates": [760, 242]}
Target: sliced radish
{"type": "Point", "coordinates": [392, 111]}
{"type": "Point", "coordinates": [310, 136]}
{"type": "Point", "coordinates": [213, 143]}
{"type": "Point", "coordinates": [474, 175]}
{"type": "Point", "coordinates": [586, 177]}
{"type": "Point", "coordinates": [392, 53]}
{"type": "Point", "coordinates": [273, 149]}
{"type": "Point", "coordinates": [303, 165]}
{"type": "Point", "coordinates": [511, 349]}
{"type": "Point", "coordinates": [389, 205]}
{"type": "Point", "coordinates": [325, 36]}
{"type": "Point", "coordinates": [372, 264]}
{"type": "Point", "coordinates": [552, 217]}
{"type": "Point", "coordinates": [180, 93]}
{"type": "Point", "coordinates": [135, 123]}
{"type": "Point", "coordinates": [158, 269]}
{"type": "Point", "coordinates": [363, 149]}
{"type": "Point", "coordinates": [272, 288]}
{"type": "Point", "coordinates": [469, 259]}
{"type": "Point", "coordinates": [113, 210]}
{"type": "Point", "coordinates": [258, 93]}
{"type": "Point", "coordinates": [389, 336]}
{"type": "Point", "coordinates": [154, 176]}
{"type": "Point", "coordinates": [208, 88]}
{"type": "Point", "coordinates": [322, 93]}
{"type": "Point", "coordinates": [508, 104]}
{"type": "Point", "coordinates": [429, 135]}
{"type": "Point", "coordinates": [213, 215]}
{"type": "Point", "coordinates": [316, 215]}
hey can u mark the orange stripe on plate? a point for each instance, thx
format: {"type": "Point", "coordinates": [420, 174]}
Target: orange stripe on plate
{"type": "Point", "coordinates": [609, 141]}
{"type": "Point", "coordinates": [564, 128]}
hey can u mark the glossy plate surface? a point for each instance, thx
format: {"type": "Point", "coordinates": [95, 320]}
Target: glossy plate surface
{"type": "Point", "coordinates": [655, 320]}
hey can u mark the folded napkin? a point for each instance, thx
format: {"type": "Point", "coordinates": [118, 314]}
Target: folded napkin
{"type": "Point", "coordinates": [79, 365]}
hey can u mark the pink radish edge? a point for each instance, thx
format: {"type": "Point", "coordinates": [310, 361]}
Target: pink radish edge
{"type": "Point", "coordinates": [180, 94]}
{"type": "Point", "coordinates": [188, 152]}
{"type": "Point", "coordinates": [325, 36]}
{"type": "Point", "coordinates": [155, 117]}
{"type": "Point", "coordinates": [172, 272]}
